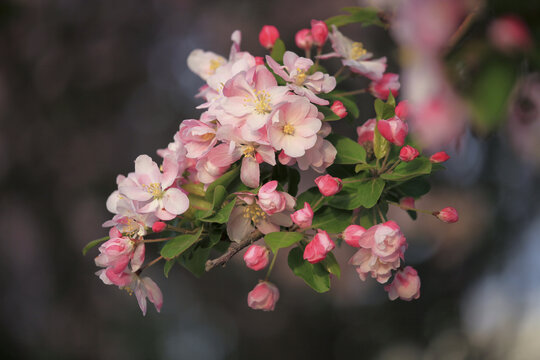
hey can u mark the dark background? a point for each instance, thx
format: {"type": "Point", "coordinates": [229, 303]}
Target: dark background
{"type": "Point", "coordinates": [86, 86]}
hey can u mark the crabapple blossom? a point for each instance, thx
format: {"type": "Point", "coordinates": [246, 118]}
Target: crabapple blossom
{"type": "Point", "coordinates": [319, 157]}
{"type": "Point", "coordinates": [406, 285]}
{"type": "Point", "coordinates": [339, 109]}
{"type": "Point", "coordinates": [352, 235]}
{"type": "Point", "coordinates": [304, 39]}
{"type": "Point", "coordinates": [198, 137]}
{"type": "Point", "coordinates": [367, 263]}
{"type": "Point", "coordinates": [268, 36]}
{"type": "Point", "coordinates": [448, 215]}
{"type": "Point", "coordinates": [408, 153]}
{"type": "Point", "coordinates": [127, 218]}
{"type": "Point", "coordinates": [317, 248]}
{"type": "Point", "coordinates": [509, 33]}
{"type": "Point", "coordinates": [270, 200]}
{"type": "Point", "coordinates": [329, 185]}
{"type": "Point", "coordinates": [116, 253]}
{"type": "Point", "coordinates": [389, 82]}
{"type": "Point", "coordinates": [319, 31]}
{"type": "Point", "coordinates": [295, 71]}
{"type": "Point", "coordinates": [366, 131]}
{"type": "Point", "coordinates": [144, 287]}
{"type": "Point", "coordinates": [303, 217]}
{"type": "Point", "coordinates": [204, 63]}
{"type": "Point", "coordinates": [393, 130]}
{"type": "Point", "coordinates": [385, 240]}
{"type": "Point", "coordinates": [263, 297]}
{"type": "Point", "coordinates": [256, 257]}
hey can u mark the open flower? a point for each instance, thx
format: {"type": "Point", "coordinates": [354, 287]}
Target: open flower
{"type": "Point", "coordinates": [406, 285]}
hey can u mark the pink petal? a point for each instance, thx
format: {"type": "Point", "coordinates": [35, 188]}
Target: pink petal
{"type": "Point", "coordinates": [249, 173]}
{"type": "Point", "coordinates": [175, 201]}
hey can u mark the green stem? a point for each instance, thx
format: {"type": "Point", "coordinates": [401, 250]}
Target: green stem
{"type": "Point", "coordinates": [357, 181]}
{"type": "Point", "coordinates": [354, 92]}
{"type": "Point", "coordinates": [410, 208]}
{"type": "Point", "coordinates": [149, 264]}
{"type": "Point", "coordinates": [393, 166]}
{"type": "Point", "coordinates": [271, 266]}
{"type": "Point", "coordinates": [383, 219]}
{"type": "Point", "coordinates": [157, 240]}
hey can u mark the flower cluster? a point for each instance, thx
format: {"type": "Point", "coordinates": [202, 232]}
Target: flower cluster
{"type": "Point", "coordinates": [230, 178]}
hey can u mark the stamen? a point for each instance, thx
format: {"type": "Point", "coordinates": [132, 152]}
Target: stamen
{"type": "Point", "coordinates": [357, 50]}
{"type": "Point", "coordinates": [154, 189]}
{"type": "Point", "coordinates": [288, 129]}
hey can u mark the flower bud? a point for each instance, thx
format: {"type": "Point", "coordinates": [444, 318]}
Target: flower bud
{"type": "Point", "coordinates": [448, 215]}
{"type": "Point", "coordinates": [268, 36]}
{"type": "Point", "coordinates": [381, 88]}
{"type": "Point", "coordinates": [393, 130]}
{"type": "Point", "coordinates": [408, 153]}
{"type": "Point", "coordinates": [407, 202]}
{"type": "Point", "coordinates": [304, 39]}
{"type": "Point", "coordinates": [256, 257]}
{"type": "Point", "coordinates": [263, 297]}
{"type": "Point", "coordinates": [317, 248]}
{"type": "Point", "coordinates": [259, 60]}
{"type": "Point", "coordinates": [406, 285]}
{"type": "Point", "coordinates": [303, 217]}
{"type": "Point", "coordinates": [319, 31]}
{"type": "Point", "coordinates": [329, 185]}
{"type": "Point", "coordinates": [339, 109]}
{"type": "Point", "coordinates": [402, 110]}
{"type": "Point", "coordinates": [365, 132]}
{"type": "Point", "coordinates": [158, 226]}
{"type": "Point", "coordinates": [509, 33]}
{"type": "Point", "coordinates": [439, 157]}
{"type": "Point", "coordinates": [352, 234]}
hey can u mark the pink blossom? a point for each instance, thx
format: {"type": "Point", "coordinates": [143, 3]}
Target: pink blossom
{"type": "Point", "coordinates": [439, 157]}
{"type": "Point", "coordinates": [215, 163]}
{"type": "Point", "coordinates": [509, 33]}
{"type": "Point", "coordinates": [339, 109]}
{"type": "Point", "coordinates": [393, 130]}
{"type": "Point", "coordinates": [146, 288]}
{"type": "Point", "coordinates": [448, 215]}
{"type": "Point", "coordinates": [256, 257]}
{"type": "Point", "coordinates": [304, 39]}
{"type": "Point", "coordinates": [294, 127]}
{"type": "Point", "coordinates": [268, 36]}
{"type": "Point", "coordinates": [408, 153]}
{"type": "Point", "coordinates": [319, 31]}
{"type": "Point", "coordinates": [319, 157]}
{"type": "Point", "coordinates": [263, 297]}
{"type": "Point", "coordinates": [352, 235]}
{"type": "Point", "coordinates": [408, 202]}
{"type": "Point", "coordinates": [406, 285]}
{"type": "Point", "coordinates": [204, 63]}
{"type": "Point", "coordinates": [295, 72]}
{"type": "Point", "coordinates": [116, 252]}
{"type": "Point", "coordinates": [303, 217]}
{"type": "Point", "coordinates": [402, 110]}
{"type": "Point", "coordinates": [329, 185]}
{"type": "Point", "coordinates": [367, 263]}
{"type": "Point", "coordinates": [127, 218]}
{"type": "Point", "coordinates": [317, 248]}
{"type": "Point", "coordinates": [149, 184]}
{"type": "Point", "coordinates": [365, 132]}
{"type": "Point", "coordinates": [355, 56]}
{"type": "Point", "coordinates": [197, 137]}
{"type": "Point", "coordinates": [385, 240]}
{"type": "Point", "coordinates": [270, 200]}
{"type": "Point", "coordinates": [382, 87]}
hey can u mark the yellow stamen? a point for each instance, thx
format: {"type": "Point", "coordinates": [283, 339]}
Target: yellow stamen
{"type": "Point", "coordinates": [208, 136]}
{"type": "Point", "coordinates": [261, 102]}
{"type": "Point", "coordinates": [214, 64]}
{"type": "Point", "coordinates": [254, 212]}
{"type": "Point", "coordinates": [249, 151]}
{"type": "Point", "coordinates": [357, 50]}
{"type": "Point", "coordinates": [288, 129]}
{"type": "Point", "coordinates": [154, 189]}
{"type": "Point", "coordinates": [301, 77]}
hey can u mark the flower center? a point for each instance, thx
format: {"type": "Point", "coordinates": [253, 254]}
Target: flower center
{"type": "Point", "coordinates": [207, 137]}
{"type": "Point", "coordinates": [288, 129]}
{"type": "Point", "coordinates": [300, 77]}
{"type": "Point", "coordinates": [214, 64]}
{"type": "Point", "coordinates": [262, 102]}
{"type": "Point", "coordinates": [254, 213]}
{"type": "Point", "coordinates": [357, 50]}
{"type": "Point", "coordinates": [154, 189]}
{"type": "Point", "coordinates": [249, 151]}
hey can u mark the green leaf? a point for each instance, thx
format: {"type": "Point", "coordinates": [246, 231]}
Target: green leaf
{"type": "Point", "coordinates": [279, 240]}
{"type": "Point", "coordinates": [314, 275]}
{"type": "Point", "coordinates": [362, 167]}
{"type": "Point", "coordinates": [222, 215]}
{"type": "Point", "coordinates": [179, 244]}
{"type": "Point", "coordinates": [348, 150]}
{"type": "Point", "coordinates": [416, 187]}
{"type": "Point", "coordinates": [219, 195]}
{"type": "Point", "coordinates": [331, 117]}
{"type": "Point", "coordinates": [167, 267]}
{"type": "Point", "coordinates": [224, 180]}
{"type": "Point", "coordinates": [294, 179]}
{"type": "Point", "coordinates": [351, 106]}
{"type": "Point", "coordinates": [384, 110]}
{"type": "Point", "coordinates": [366, 218]}
{"type": "Point", "coordinates": [379, 108]}
{"type": "Point", "coordinates": [194, 261]}
{"type": "Point", "coordinates": [381, 146]}
{"type": "Point", "coordinates": [331, 265]}
{"type": "Point", "coordinates": [332, 220]}
{"type": "Point", "coordinates": [370, 192]}
{"type": "Point", "coordinates": [278, 50]}
{"type": "Point", "coordinates": [409, 170]}
{"type": "Point", "coordinates": [365, 16]}
{"type": "Point", "coordinates": [391, 100]}
{"type": "Point", "coordinates": [348, 198]}
{"type": "Point", "coordinates": [312, 196]}
{"type": "Point", "coordinates": [93, 243]}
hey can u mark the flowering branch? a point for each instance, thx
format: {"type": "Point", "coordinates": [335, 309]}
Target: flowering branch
{"type": "Point", "coordinates": [233, 249]}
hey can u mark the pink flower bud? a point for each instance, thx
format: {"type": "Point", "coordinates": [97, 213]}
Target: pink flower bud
{"type": "Point", "coordinates": [303, 39]}
{"type": "Point", "coordinates": [407, 202]}
{"type": "Point", "coordinates": [158, 226]}
{"type": "Point", "coordinates": [352, 234]}
{"type": "Point", "coordinates": [406, 285]}
{"type": "Point", "coordinates": [263, 297]}
{"type": "Point", "coordinates": [285, 159]}
{"type": "Point", "coordinates": [319, 31]}
{"type": "Point", "coordinates": [509, 33]}
{"type": "Point", "coordinates": [448, 215]}
{"type": "Point", "coordinates": [259, 60]}
{"type": "Point", "coordinates": [408, 153]}
{"type": "Point", "coordinates": [381, 88]}
{"type": "Point", "coordinates": [365, 132]}
{"type": "Point", "coordinates": [439, 157]}
{"type": "Point", "coordinates": [268, 36]}
{"type": "Point", "coordinates": [393, 130]}
{"type": "Point", "coordinates": [317, 248]}
{"type": "Point", "coordinates": [339, 109]}
{"type": "Point", "coordinates": [256, 257]}
{"type": "Point", "coordinates": [329, 185]}
{"type": "Point", "coordinates": [303, 217]}
{"type": "Point", "coordinates": [402, 110]}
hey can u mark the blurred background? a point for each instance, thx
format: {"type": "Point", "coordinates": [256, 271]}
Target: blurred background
{"type": "Point", "coordinates": [87, 86]}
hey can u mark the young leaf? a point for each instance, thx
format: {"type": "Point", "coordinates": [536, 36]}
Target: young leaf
{"type": "Point", "coordinates": [332, 220]}
{"type": "Point", "coordinates": [348, 150]}
{"type": "Point", "coordinates": [370, 192]}
{"type": "Point", "coordinates": [279, 240]}
{"type": "Point", "coordinates": [409, 170]}
{"type": "Point", "coordinates": [93, 243]}
{"type": "Point", "coordinates": [224, 180]}
{"type": "Point", "coordinates": [381, 146]}
{"type": "Point", "coordinates": [314, 275]}
{"type": "Point", "coordinates": [366, 16]}
{"type": "Point", "coordinates": [179, 244]}
{"type": "Point", "coordinates": [278, 51]}
{"type": "Point", "coordinates": [222, 215]}
{"type": "Point", "coordinates": [195, 260]}
{"type": "Point", "coordinates": [331, 265]}
{"type": "Point", "coordinates": [167, 267]}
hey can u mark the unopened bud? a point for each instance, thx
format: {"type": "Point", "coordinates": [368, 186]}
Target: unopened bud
{"type": "Point", "coordinates": [448, 215]}
{"type": "Point", "coordinates": [268, 36]}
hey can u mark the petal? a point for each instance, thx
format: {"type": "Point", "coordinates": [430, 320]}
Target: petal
{"type": "Point", "coordinates": [153, 292]}
{"type": "Point", "coordinates": [175, 201]}
{"type": "Point", "coordinates": [249, 173]}
{"type": "Point", "coordinates": [138, 257]}
{"type": "Point", "coordinates": [145, 166]}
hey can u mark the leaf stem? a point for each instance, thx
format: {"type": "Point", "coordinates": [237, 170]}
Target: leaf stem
{"type": "Point", "coordinates": [410, 208]}
{"type": "Point", "coordinates": [393, 166]}
{"type": "Point", "coordinates": [157, 240]}
{"type": "Point", "coordinates": [354, 92]}
{"type": "Point", "coordinates": [149, 264]}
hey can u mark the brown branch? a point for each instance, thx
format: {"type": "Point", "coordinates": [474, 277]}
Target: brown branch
{"type": "Point", "coordinates": [233, 249]}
